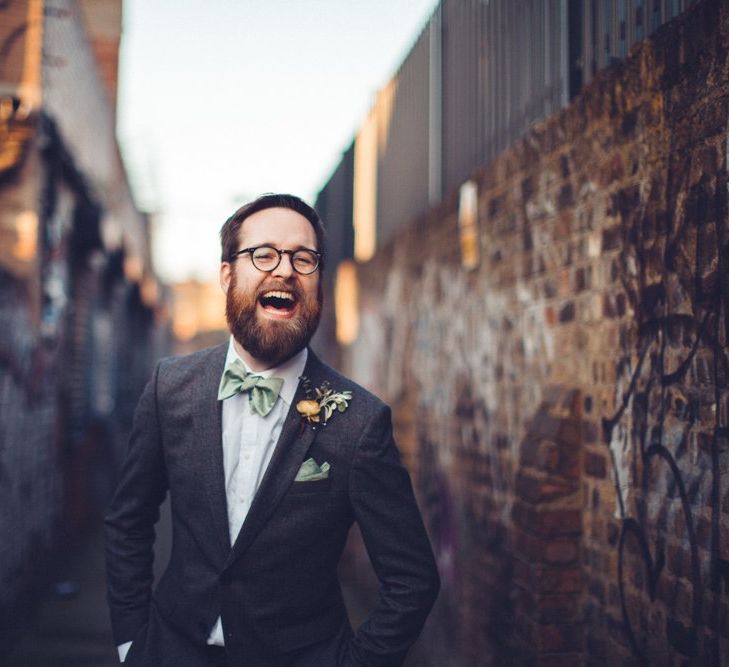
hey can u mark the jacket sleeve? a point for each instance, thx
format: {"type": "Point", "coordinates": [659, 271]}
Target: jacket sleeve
{"type": "Point", "coordinates": [129, 523]}
{"type": "Point", "coordinates": [384, 506]}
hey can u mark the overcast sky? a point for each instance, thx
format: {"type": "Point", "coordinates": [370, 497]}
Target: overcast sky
{"type": "Point", "coordinates": [221, 100]}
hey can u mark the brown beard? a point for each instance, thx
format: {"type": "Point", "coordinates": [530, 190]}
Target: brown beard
{"type": "Point", "coordinates": [271, 341]}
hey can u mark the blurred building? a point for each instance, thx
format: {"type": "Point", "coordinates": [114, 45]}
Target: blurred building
{"type": "Point", "coordinates": [198, 315]}
{"type": "Point", "coordinates": [82, 313]}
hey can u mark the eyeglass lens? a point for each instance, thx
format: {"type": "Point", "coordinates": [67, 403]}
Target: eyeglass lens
{"type": "Point", "coordinates": [266, 258]}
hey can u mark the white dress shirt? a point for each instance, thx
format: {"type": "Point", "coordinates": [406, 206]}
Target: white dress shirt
{"type": "Point", "coordinates": [248, 444]}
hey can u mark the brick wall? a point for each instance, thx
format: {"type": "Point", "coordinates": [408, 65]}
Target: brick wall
{"type": "Point", "coordinates": [564, 407]}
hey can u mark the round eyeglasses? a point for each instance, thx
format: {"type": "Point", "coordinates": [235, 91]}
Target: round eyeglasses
{"type": "Point", "coordinates": [266, 258]}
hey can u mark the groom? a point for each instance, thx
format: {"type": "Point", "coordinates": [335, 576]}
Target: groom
{"type": "Point", "coordinates": [269, 456]}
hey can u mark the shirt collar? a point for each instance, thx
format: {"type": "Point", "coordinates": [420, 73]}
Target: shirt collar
{"type": "Point", "coordinates": [289, 371]}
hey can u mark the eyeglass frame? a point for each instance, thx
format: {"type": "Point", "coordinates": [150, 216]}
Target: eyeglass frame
{"type": "Point", "coordinates": [281, 253]}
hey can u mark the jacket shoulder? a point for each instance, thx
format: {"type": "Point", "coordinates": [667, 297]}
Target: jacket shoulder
{"type": "Point", "coordinates": [189, 367]}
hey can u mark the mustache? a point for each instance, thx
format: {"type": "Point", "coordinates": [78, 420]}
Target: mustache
{"type": "Point", "coordinates": [279, 285]}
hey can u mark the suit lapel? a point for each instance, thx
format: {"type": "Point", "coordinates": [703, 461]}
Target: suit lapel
{"type": "Point", "coordinates": [208, 432]}
{"type": "Point", "coordinates": [292, 445]}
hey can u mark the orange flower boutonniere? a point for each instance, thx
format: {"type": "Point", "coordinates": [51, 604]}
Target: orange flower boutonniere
{"type": "Point", "coordinates": [319, 405]}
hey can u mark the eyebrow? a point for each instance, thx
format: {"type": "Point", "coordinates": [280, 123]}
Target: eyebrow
{"type": "Point", "coordinates": [275, 245]}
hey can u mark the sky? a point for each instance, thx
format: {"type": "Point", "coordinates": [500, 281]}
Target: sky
{"type": "Point", "coordinates": [222, 100]}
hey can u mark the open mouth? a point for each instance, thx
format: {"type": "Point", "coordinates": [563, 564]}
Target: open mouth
{"type": "Point", "coordinates": [278, 302]}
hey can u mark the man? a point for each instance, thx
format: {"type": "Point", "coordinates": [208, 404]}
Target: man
{"type": "Point", "coordinates": [266, 473]}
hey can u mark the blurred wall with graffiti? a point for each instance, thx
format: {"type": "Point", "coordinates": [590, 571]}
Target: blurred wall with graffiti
{"type": "Point", "coordinates": [82, 314]}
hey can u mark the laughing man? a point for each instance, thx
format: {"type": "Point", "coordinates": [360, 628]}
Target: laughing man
{"type": "Point", "coordinates": [269, 456]}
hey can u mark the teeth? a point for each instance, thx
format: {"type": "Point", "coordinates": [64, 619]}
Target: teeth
{"type": "Point", "coordinates": [278, 295]}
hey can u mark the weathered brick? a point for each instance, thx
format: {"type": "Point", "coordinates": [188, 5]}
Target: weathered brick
{"type": "Point", "coordinates": [561, 552]}
{"type": "Point", "coordinates": [677, 558]}
{"type": "Point", "coordinates": [560, 638]}
{"type": "Point", "coordinates": [550, 315]}
{"type": "Point", "coordinates": [595, 465]}
{"type": "Point", "coordinates": [563, 579]}
{"type": "Point", "coordinates": [567, 312]}
{"type": "Point", "coordinates": [597, 590]}
{"type": "Point", "coordinates": [556, 522]}
{"type": "Point", "coordinates": [560, 608]}
{"type": "Point", "coordinates": [541, 489]}
{"type": "Point", "coordinates": [703, 531]}
{"type": "Point", "coordinates": [525, 574]}
{"type": "Point", "coordinates": [590, 431]}
{"type": "Point", "coordinates": [680, 636]}
{"type": "Point", "coordinates": [596, 650]}
{"type": "Point", "coordinates": [613, 533]}
{"type": "Point", "coordinates": [565, 198]}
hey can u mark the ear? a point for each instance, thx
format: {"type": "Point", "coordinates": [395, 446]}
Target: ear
{"type": "Point", "coordinates": [226, 269]}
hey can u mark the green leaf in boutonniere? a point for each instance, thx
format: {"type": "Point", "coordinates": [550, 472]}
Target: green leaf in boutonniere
{"type": "Point", "coordinates": [321, 403]}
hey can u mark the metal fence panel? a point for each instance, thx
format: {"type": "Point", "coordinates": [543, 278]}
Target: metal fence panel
{"type": "Point", "coordinates": [479, 75]}
{"type": "Point", "coordinates": [402, 169]}
{"type": "Point", "coordinates": [334, 205]}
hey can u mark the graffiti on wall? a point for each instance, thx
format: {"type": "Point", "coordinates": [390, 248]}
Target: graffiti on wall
{"type": "Point", "coordinates": [457, 365]}
{"type": "Point", "coordinates": [669, 436]}
{"type": "Point", "coordinates": [449, 352]}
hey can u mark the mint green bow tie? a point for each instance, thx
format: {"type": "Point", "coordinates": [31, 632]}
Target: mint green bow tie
{"type": "Point", "coordinates": [263, 392]}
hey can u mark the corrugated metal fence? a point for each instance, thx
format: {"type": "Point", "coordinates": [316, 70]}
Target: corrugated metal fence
{"type": "Point", "coordinates": [503, 67]}
{"type": "Point", "coordinates": [480, 73]}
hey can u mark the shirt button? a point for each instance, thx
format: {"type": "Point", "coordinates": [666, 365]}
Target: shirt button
{"type": "Point", "coordinates": [246, 456]}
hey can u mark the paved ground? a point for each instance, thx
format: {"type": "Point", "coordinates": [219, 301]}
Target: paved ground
{"type": "Point", "coordinates": [72, 632]}
{"type": "Point", "coordinates": [75, 632]}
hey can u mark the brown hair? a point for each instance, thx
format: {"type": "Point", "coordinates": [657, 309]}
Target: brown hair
{"type": "Point", "coordinates": [229, 231]}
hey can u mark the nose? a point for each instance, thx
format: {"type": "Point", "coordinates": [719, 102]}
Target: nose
{"type": "Point", "coordinates": [285, 268]}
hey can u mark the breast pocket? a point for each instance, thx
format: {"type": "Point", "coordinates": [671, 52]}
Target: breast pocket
{"type": "Point", "coordinates": [317, 486]}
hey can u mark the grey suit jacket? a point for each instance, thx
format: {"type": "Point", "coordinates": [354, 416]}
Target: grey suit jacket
{"type": "Point", "coordinates": [276, 587]}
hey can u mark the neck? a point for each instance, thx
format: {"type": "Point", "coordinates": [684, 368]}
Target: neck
{"type": "Point", "coordinates": [254, 363]}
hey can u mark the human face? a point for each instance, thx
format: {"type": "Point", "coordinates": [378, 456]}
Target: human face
{"type": "Point", "coordinates": [272, 315]}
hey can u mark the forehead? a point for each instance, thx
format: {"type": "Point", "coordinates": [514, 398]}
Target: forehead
{"type": "Point", "coordinates": [280, 227]}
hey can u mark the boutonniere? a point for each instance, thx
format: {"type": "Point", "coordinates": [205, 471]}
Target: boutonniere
{"type": "Point", "coordinates": [321, 403]}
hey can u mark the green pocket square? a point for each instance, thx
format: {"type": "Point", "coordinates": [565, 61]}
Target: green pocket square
{"type": "Point", "coordinates": [311, 472]}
